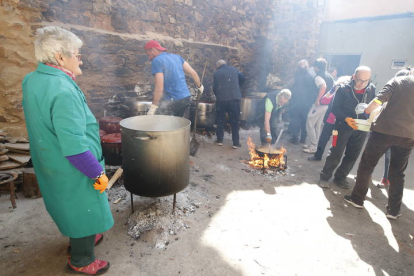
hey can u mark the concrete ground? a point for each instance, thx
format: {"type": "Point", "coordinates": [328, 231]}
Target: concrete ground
{"type": "Point", "coordinates": [246, 224]}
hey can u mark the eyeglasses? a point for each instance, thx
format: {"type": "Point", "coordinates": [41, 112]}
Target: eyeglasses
{"type": "Point", "coordinates": [362, 81]}
{"type": "Point", "coordinates": [78, 56]}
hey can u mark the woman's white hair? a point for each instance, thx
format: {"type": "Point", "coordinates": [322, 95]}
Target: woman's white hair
{"type": "Point", "coordinates": [285, 93]}
{"type": "Point", "coordinates": [50, 40]}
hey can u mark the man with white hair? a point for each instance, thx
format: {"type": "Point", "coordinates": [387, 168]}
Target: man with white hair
{"type": "Point", "coordinates": [269, 115]}
{"type": "Point", "coordinates": [226, 88]}
{"type": "Point", "coordinates": [349, 96]}
{"type": "Point", "coordinates": [392, 129]}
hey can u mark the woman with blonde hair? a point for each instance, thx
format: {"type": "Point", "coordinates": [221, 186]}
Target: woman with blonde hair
{"type": "Point", "coordinates": [65, 148]}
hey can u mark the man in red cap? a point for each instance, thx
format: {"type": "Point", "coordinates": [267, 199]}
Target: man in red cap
{"type": "Point", "coordinates": [171, 94]}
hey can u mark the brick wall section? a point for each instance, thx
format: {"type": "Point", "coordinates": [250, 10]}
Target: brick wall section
{"type": "Point", "coordinates": [257, 36]}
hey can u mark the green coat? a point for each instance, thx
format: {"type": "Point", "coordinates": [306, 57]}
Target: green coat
{"type": "Point", "coordinates": [60, 123]}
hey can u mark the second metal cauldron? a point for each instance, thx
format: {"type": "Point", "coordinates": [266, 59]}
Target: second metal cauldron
{"type": "Point", "coordinates": [156, 152]}
{"type": "Point", "coordinates": [206, 114]}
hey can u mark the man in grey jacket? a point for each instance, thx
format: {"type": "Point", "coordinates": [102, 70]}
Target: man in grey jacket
{"type": "Point", "coordinates": [393, 128]}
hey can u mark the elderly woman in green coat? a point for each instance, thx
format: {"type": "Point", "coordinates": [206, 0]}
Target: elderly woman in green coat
{"type": "Point", "coordinates": [65, 148]}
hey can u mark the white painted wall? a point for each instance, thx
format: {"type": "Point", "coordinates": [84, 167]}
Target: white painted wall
{"type": "Point", "coordinates": [346, 9]}
{"type": "Point", "coordinates": [379, 42]}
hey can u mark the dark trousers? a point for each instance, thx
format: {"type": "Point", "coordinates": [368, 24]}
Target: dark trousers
{"type": "Point", "coordinates": [81, 253]}
{"type": "Point", "coordinates": [177, 108]}
{"type": "Point", "coordinates": [298, 119]}
{"type": "Point", "coordinates": [349, 141]}
{"type": "Point", "coordinates": [387, 156]}
{"type": "Point", "coordinates": [377, 145]}
{"type": "Point", "coordinates": [323, 139]}
{"type": "Point", "coordinates": [233, 109]}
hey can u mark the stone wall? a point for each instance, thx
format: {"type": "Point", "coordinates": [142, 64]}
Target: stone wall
{"type": "Point", "coordinates": [260, 37]}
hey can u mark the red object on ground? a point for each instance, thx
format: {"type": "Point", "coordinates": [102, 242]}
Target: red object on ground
{"type": "Point", "coordinates": [110, 124]}
{"type": "Point", "coordinates": [113, 138]}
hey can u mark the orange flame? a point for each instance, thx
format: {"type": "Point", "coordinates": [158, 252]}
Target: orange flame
{"type": "Point", "coordinates": [277, 161]}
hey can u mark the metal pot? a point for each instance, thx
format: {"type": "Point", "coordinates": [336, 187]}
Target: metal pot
{"type": "Point", "coordinates": [248, 108]}
{"type": "Point", "coordinates": [138, 108]}
{"type": "Point", "coordinates": [156, 152]}
{"type": "Point", "coordinates": [261, 151]}
{"type": "Point", "coordinates": [112, 148]}
{"type": "Point", "coordinates": [206, 114]}
{"type": "Point", "coordinates": [110, 124]}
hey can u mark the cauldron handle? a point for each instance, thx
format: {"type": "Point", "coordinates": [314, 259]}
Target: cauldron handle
{"type": "Point", "coordinates": [143, 138]}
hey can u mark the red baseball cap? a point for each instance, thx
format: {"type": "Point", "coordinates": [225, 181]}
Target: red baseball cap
{"type": "Point", "coordinates": [154, 44]}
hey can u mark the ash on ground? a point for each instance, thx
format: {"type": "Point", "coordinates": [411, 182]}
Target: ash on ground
{"type": "Point", "coordinates": [271, 173]}
{"type": "Point", "coordinates": [157, 217]}
{"type": "Point", "coordinates": [117, 192]}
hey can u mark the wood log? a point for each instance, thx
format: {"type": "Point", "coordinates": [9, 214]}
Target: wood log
{"type": "Point", "coordinates": [6, 165]}
{"type": "Point", "coordinates": [4, 158]}
{"type": "Point", "coordinates": [30, 186]}
{"type": "Point", "coordinates": [19, 151]}
{"type": "Point", "coordinates": [19, 158]}
{"type": "Point", "coordinates": [23, 146]}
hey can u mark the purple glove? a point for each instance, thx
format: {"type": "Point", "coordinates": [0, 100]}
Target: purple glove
{"type": "Point", "coordinates": [86, 163]}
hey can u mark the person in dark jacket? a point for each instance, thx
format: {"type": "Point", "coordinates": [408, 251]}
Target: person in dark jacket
{"type": "Point", "coordinates": [350, 141]}
{"type": "Point", "coordinates": [303, 95]}
{"type": "Point", "coordinates": [269, 115]}
{"type": "Point", "coordinates": [392, 129]}
{"type": "Point", "coordinates": [226, 88]}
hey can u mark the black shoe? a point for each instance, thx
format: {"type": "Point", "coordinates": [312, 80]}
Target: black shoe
{"type": "Point", "coordinates": [313, 158]}
{"type": "Point", "coordinates": [294, 141]}
{"type": "Point", "coordinates": [342, 183]}
{"type": "Point", "coordinates": [236, 146]}
{"type": "Point", "coordinates": [392, 215]}
{"type": "Point", "coordinates": [349, 199]}
{"type": "Point", "coordinates": [323, 183]}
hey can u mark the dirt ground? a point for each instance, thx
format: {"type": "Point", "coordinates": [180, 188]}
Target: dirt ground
{"type": "Point", "coordinates": [229, 221]}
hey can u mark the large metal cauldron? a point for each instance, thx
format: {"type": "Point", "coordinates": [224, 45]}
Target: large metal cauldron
{"type": "Point", "coordinates": [156, 152]}
{"type": "Point", "coordinates": [206, 114]}
{"type": "Point", "coordinates": [138, 108]}
{"type": "Point", "coordinates": [248, 108]}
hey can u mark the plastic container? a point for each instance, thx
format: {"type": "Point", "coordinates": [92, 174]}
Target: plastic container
{"type": "Point", "coordinates": [363, 125]}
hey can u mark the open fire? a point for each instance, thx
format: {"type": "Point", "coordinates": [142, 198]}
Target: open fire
{"type": "Point", "coordinates": [272, 161]}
